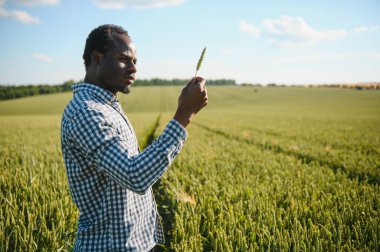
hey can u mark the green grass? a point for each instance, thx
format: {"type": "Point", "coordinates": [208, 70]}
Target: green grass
{"type": "Point", "coordinates": [263, 169]}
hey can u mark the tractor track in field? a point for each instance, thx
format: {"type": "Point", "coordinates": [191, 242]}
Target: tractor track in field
{"type": "Point", "coordinates": [337, 146]}
{"type": "Point", "coordinates": [304, 158]}
{"type": "Point", "coordinates": [165, 206]}
{"type": "Point", "coordinates": [150, 135]}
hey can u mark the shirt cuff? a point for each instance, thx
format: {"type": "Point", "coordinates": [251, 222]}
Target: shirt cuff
{"type": "Point", "coordinates": [182, 132]}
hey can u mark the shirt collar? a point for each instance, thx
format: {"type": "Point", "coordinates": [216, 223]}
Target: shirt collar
{"type": "Point", "coordinates": [103, 94]}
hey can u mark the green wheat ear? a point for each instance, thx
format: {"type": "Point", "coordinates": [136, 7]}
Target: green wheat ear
{"type": "Point", "coordinates": [200, 61]}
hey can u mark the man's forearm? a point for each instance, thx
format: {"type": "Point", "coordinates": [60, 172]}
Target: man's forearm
{"type": "Point", "coordinates": [138, 173]}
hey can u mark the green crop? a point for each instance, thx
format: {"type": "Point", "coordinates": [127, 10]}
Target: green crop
{"type": "Point", "coordinates": [200, 61]}
{"type": "Point", "coordinates": [263, 169]}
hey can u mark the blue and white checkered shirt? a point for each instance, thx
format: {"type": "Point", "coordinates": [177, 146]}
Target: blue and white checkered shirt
{"type": "Point", "coordinates": [110, 180]}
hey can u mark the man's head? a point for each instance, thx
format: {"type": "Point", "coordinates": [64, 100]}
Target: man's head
{"type": "Point", "coordinates": [110, 58]}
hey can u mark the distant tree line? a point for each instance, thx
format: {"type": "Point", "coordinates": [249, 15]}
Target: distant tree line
{"type": "Point", "coordinates": [180, 82]}
{"type": "Point", "coordinates": [358, 86]}
{"type": "Point", "coordinates": [13, 92]}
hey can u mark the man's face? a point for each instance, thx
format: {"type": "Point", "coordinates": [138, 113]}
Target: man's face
{"type": "Point", "coordinates": [117, 67]}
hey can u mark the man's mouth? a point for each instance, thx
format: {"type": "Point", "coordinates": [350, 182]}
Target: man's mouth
{"type": "Point", "coordinates": [129, 80]}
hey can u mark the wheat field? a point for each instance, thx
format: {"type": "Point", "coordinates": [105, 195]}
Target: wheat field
{"type": "Point", "coordinates": [263, 169]}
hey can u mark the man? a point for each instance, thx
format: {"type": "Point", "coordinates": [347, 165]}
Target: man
{"type": "Point", "coordinates": [110, 180]}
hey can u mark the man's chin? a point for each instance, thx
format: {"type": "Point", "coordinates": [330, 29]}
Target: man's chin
{"type": "Point", "coordinates": [126, 90]}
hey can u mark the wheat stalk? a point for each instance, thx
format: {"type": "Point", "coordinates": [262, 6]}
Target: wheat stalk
{"type": "Point", "coordinates": [200, 61]}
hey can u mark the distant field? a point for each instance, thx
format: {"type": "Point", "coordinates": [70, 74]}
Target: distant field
{"type": "Point", "coordinates": [274, 169]}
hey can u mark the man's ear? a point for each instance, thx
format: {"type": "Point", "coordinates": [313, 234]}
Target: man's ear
{"type": "Point", "coordinates": [96, 57]}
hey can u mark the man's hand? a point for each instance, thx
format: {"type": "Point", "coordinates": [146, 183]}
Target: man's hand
{"type": "Point", "coordinates": [192, 99]}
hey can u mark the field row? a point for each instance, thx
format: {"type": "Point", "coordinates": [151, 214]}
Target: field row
{"type": "Point", "coordinates": [356, 155]}
{"type": "Point", "coordinates": [235, 196]}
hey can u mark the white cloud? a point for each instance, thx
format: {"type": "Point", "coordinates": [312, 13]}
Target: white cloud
{"type": "Point", "coordinates": [319, 58]}
{"type": "Point", "coordinates": [140, 4]}
{"type": "Point", "coordinates": [42, 57]}
{"type": "Point", "coordinates": [18, 15]}
{"type": "Point", "coordinates": [289, 31]}
{"type": "Point", "coordinates": [294, 31]}
{"type": "Point", "coordinates": [32, 2]}
{"type": "Point", "coordinates": [249, 28]}
{"type": "Point", "coordinates": [35, 2]}
{"type": "Point", "coordinates": [362, 29]}
{"type": "Point", "coordinates": [24, 16]}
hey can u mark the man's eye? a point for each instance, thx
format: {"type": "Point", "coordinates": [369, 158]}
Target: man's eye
{"type": "Point", "coordinates": [128, 60]}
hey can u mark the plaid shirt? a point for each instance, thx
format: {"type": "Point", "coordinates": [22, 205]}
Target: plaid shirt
{"type": "Point", "coordinates": [110, 180]}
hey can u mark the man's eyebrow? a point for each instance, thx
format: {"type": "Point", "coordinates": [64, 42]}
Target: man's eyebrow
{"type": "Point", "coordinates": [128, 56]}
{"type": "Point", "coordinates": [125, 54]}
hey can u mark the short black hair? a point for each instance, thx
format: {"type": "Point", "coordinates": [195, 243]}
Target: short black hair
{"type": "Point", "coordinates": [99, 39]}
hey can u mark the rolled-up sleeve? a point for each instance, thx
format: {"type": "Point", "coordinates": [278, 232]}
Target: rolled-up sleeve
{"type": "Point", "coordinates": [105, 149]}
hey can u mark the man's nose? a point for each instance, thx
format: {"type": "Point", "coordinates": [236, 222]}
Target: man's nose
{"type": "Point", "coordinates": [132, 68]}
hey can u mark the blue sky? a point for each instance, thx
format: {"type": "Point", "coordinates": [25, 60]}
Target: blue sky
{"type": "Point", "coordinates": [281, 41]}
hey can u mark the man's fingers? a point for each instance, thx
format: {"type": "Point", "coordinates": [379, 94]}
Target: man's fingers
{"type": "Point", "coordinates": [191, 82]}
{"type": "Point", "coordinates": [202, 83]}
{"type": "Point", "coordinates": [204, 104]}
{"type": "Point", "coordinates": [199, 81]}
{"type": "Point", "coordinates": [204, 89]}
{"type": "Point", "coordinates": [205, 100]}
